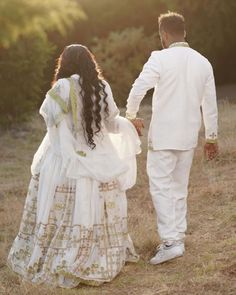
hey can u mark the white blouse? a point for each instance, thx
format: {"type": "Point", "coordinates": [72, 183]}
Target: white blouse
{"type": "Point", "coordinates": [116, 144]}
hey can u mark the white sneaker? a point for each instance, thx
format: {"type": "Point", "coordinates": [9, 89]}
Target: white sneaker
{"type": "Point", "coordinates": [166, 253]}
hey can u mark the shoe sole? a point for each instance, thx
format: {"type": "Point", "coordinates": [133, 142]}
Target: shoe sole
{"type": "Point", "coordinates": [179, 256]}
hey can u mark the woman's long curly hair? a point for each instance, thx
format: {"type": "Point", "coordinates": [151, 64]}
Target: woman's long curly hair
{"type": "Point", "coordinates": [77, 59]}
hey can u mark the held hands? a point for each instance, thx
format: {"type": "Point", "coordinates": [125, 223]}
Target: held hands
{"type": "Point", "coordinates": [211, 150]}
{"type": "Point", "coordinates": [138, 124]}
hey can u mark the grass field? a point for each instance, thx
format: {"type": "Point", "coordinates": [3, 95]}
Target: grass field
{"type": "Point", "coordinates": [209, 265]}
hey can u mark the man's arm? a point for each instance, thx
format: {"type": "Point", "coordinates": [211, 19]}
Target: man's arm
{"type": "Point", "coordinates": [210, 116]}
{"type": "Point", "coordinates": [147, 79]}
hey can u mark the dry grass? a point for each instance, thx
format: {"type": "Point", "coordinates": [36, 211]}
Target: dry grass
{"type": "Point", "coordinates": [209, 266]}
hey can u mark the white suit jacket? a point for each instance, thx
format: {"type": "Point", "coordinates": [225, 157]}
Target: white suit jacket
{"type": "Point", "coordinates": [183, 83]}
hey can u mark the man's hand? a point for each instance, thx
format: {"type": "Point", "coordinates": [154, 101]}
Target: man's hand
{"type": "Point", "coordinates": [211, 151]}
{"type": "Point", "coordinates": [138, 124]}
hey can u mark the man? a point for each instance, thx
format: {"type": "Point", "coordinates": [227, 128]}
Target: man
{"type": "Point", "coordinates": [183, 83]}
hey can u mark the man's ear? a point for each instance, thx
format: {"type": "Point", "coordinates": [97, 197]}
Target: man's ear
{"type": "Point", "coordinates": [164, 35]}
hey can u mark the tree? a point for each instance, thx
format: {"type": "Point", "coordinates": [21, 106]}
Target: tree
{"type": "Point", "coordinates": [122, 55]}
{"type": "Point", "coordinates": [22, 17]}
{"type": "Point", "coordinates": [25, 51]}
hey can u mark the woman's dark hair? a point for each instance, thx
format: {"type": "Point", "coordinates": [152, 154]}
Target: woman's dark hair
{"type": "Point", "coordinates": [77, 59]}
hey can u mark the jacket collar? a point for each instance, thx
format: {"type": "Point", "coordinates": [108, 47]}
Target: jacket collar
{"type": "Point", "coordinates": [179, 44]}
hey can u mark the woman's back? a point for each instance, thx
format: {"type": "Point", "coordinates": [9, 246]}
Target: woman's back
{"type": "Point", "coordinates": [74, 226]}
{"type": "Point", "coordinates": [64, 102]}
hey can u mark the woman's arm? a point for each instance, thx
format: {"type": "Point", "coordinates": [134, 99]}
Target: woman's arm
{"type": "Point", "coordinates": [55, 104]}
{"type": "Point", "coordinates": [110, 119]}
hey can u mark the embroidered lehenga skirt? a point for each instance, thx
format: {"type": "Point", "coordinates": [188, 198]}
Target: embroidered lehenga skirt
{"type": "Point", "coordinates": [84, 239]}
{"type": "Point", "coordinates": [74, 224]}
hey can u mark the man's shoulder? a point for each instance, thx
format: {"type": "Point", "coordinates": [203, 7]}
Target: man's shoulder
{"type": "Point", "coordinates": [157, 56]}
{"type": "Point", "coordinates": [197, 53]}
{"type": "Point", "coordinates": [161, 56]}
{"type": "Point", "coordinates": [155, 53]}
{"type": "Point", "coordinates": [200, 56]}
{"type": "Point", "coordinates": [154, 57]}
{"type": "Point", "coordinates": [170, 51]}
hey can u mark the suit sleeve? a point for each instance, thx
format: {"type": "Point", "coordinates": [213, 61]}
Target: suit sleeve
{"type": "Point", "coordinates": [147, 80]}
{"type": "Point", "coordinates": [209, 108]}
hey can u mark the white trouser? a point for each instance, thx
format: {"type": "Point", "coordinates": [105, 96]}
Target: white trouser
{"type": "Point", "coordinates": [168, 172]}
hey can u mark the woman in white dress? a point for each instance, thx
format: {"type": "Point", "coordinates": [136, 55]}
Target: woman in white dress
{"type": "Point", "coordinates": [74, 224]}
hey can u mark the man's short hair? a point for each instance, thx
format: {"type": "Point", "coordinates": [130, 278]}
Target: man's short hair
{"type": "Point", "coordinates": [172, 23]}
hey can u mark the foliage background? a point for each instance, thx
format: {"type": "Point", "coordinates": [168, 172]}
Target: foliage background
{"type": "Point", "coordinates": [120, 33]}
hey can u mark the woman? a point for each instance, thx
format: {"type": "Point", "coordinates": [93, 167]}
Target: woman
{"type": "Point", "coordinates": [74, 225]}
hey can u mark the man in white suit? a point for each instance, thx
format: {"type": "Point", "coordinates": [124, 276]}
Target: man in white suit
{"type": "Point", "coordinates": [183, 83]}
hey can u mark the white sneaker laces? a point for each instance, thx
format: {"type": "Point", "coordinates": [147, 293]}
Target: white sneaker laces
{"type": "Point", "coordinates": [164, 246]}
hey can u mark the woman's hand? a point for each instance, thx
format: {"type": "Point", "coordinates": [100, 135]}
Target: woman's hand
{"type": "Point", "coordinates": [138, 124]}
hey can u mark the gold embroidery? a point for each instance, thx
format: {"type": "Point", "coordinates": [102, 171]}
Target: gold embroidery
{"type": "Point", "coordinates": [58, 237]}
{"type": "Point", "coordinates": [81, 153]}
{"type": "Point", "coordinates": [179, 44]}
{"type": "Point", "coordinates": [65, 189]}
{"type": "Point", "coordinates": [106, 187]}
{"type": "Point", "coordinates": [54, 95]}
{"type": "Point", "coordinates": [59, 206]}
{"type": "Point", "coordinates": [212, 138]}
{"type": "Point", "coordinates": [74, 104]}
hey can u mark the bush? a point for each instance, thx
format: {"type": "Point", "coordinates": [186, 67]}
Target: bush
{"type": "Point", "coordinates": [122, 56]}
{"type": "Point", "coordinates": [22, 17]}
{"type": "Point", "coordinates": [21, 76]}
